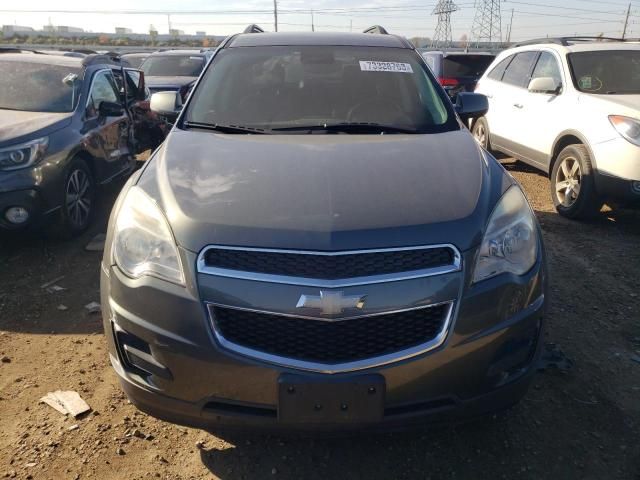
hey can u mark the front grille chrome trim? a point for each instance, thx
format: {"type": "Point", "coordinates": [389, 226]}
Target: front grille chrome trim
{"type": "Point", "coordinates": [455, 266]}
{"type": "Point", "coordinates": [318, 367]}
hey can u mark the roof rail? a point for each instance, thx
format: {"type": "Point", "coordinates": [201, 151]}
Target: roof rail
{"type": "Point", "coordinates": [85, 51]}
{"type": "Point", "coordinates": [566, 41]}
{"type": "Point", "coordinates": [253, 28]}
{"type": "Point", "coordinates": [376, 29]}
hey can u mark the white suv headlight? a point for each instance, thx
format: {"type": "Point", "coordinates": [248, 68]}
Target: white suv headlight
{"type": "Point", "coordinates": [628, 127]}
{"type": "Point", "coordinates": [142, 241]}
{"type": "Point", "coordinates": [510, 244]}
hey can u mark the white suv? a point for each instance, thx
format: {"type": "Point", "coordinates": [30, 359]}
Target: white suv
{"type": "Point", "coordinates": [570, 107]}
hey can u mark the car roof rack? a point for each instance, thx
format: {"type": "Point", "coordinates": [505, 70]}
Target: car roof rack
{"type": "Point", "coordinates": [566, 41]}
{"type": "Point", "coordinates": [253, 28]}
{"type": "Point", "coordinates": [376, 29]}
{"type": "Point", "coordinates": [86, 51]}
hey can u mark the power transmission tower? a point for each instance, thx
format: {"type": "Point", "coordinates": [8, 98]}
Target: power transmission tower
{"type": "Point", "coordinates": [442, 35]}
{"type": "Point", "coordinates": [487, 22]}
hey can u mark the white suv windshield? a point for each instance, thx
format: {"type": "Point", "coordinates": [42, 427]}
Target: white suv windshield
{"type": "Point", "coordinates": [607, 72]}
{"type": "Point", "coordinates": [280, 87]}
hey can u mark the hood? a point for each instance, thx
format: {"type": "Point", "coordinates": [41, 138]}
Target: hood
{"type": "Point", "coordinates": [628, 105]}
{"type": "Point", "coordinates": [323, 192]}
{"type": "Point", "coordinates": [173, 82]}
{"type": "Point", "coordinates": [16, 126]}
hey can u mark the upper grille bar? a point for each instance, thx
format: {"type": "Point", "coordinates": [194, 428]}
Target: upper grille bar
{"type": "Point", "coordinates": [329, 269]}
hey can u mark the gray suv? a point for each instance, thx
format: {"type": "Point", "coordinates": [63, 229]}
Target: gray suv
{"type": "Point", "coordinates": [320, 243]}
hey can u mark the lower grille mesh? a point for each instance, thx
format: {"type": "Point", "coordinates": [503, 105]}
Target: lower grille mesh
{"type": "Point", "coordinates": [330, 342]}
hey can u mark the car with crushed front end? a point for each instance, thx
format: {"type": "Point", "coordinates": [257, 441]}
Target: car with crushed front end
{"type": "Point", "coordinates": [321, 244]}
{"type": "Point", "coordinates": [67, 125]}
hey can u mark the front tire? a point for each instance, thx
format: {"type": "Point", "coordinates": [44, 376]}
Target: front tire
{"type": "Point", "coordinates": [79, 192]}
{"type": "Point", "coordinates": [480, 132]}
{"type": "Point", "coordinates": [573, 185]}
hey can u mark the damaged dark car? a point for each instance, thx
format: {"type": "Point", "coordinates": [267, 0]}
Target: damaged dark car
{"type": "Point", "coordinates": [67, 126]}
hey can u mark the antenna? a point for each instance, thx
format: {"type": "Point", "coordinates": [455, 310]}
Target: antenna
{"type": "Point", "coordinates": [487, 22]}
{"type": "Point", "coordinates": [442, 35]}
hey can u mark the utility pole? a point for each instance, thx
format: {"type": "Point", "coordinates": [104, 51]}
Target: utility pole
{"type": "Point", "coordinates": [351, 25]}
{"type": "Point", "coordinates": [626, 22]}
{"type": "Point", "coordinates": [442, 35]}
{"type": "Point", "coordinates": [313, 27]}
{"type": "Point", "coordinates": [275, 15]}
{"type": "Point", "coordinates": [510, 25]}
{"type": "Point", "coordinates": [169, 23]}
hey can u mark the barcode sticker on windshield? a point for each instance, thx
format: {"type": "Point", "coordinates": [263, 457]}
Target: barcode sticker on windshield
{"type": "Point", "coordinates": [373, 66]}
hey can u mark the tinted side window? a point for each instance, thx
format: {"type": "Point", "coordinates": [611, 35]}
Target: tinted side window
{"type": "Point", "coordinates": [519, 71]}
{"type": "Point", "coordinates": [547, 66]}
{"type": "Point", "coordinates": [498, 70]}
{"type": "Point", "coordinates": [103, 89]}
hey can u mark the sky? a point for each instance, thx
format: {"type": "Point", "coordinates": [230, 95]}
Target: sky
{"type": "Point", "coordinates": [411, 18]}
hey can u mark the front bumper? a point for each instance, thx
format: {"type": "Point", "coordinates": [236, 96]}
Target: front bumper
{"type": "Point", "coordinates": [618, 170]}
{"type": "Point", "coordinates": [485, 364]}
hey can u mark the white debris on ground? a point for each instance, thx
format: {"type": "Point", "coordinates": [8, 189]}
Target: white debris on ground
{"type": "Point", "coordinates": [66, 402]}
{"type": "Point", "coordinates": [93, 307]}
{"type": "Point", "coordinates": [96, 244]}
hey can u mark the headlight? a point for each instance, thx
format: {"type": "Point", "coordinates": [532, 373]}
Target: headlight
{"type": "Point", "coordinates": [629, 128]}
{"type": "Point", "coordinates": [143, 243]}
{"type": "Point", "coordinates": [510, 243]}
{"type": "Point", "coordinates": [22, 155]}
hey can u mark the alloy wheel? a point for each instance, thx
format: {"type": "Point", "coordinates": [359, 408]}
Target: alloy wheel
{"type": "Point", "coordinates": [480, 133]}
{"type": "Point", "coordinates": [78, 198]}
{"type": "Point", "coordinates": [568, 181]}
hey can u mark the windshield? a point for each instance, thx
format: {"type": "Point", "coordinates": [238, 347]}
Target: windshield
{"type": "Point", "coordinates": [173, 66]}
{"type": "Point", "coordinates": [134, 60]}
{"type": "Point", "coordinates": [38, 87]}
{"type": "Point", "coordinates": [606, 71]}
{"type": "Point", "coordinates": [286, 87]}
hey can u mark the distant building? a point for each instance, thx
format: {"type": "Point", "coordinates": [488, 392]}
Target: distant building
{"type": "Point", "coordinates": [11, 30]}
{"type": "Point", "coordinates": [49, 28]}
{"type": "Point", "coordinates": [123, 31]}
{"type": "Point", "coordinates": [201, 34]}
{"type": "Point", "coordinates": [67, 29]}
{"type": "Point", "coordinates": [176, 33]}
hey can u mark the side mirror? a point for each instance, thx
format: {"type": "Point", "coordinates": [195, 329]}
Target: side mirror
{"type": "Point", "coordinates": [110, 109]}
{"type": "Point", "coordinates": [471, 105]}
{"type": "Point", "coordinates": [544, 85]}
{"type": "Point", "coordinates": [167, 104]}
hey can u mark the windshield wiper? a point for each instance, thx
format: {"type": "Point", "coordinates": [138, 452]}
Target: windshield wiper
{"type": "Point", "coordinates": [353, 128]}
{"type": "Point", "coordinates": [225, 128]}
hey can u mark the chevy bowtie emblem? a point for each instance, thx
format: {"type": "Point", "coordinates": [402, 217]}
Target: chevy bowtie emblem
{"type": "Point", "coordinates": [331, 303]}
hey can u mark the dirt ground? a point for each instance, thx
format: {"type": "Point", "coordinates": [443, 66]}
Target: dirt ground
{"type": "Point", "coordinates": [583, 422]}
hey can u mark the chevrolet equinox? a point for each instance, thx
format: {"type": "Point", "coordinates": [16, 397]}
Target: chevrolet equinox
{"type": "Point", "coordinates": [320, 243]}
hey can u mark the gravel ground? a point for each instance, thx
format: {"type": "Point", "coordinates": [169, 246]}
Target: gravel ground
{"type": "Point", "coordinates": [583, 422]}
